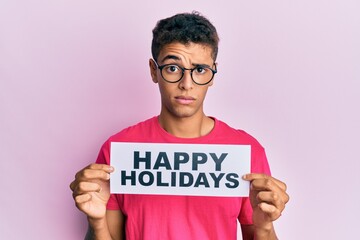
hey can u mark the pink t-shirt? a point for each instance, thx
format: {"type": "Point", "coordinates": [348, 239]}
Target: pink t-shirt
{"type": "Point", "coordinates": [183, 217]}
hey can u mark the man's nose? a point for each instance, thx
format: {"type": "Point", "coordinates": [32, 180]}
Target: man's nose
{"type": "Point", "coordinates": [186, 81]}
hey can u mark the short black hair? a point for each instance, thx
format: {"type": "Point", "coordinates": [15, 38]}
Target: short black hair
{"type": "Point", "coordinates": [184, 28]}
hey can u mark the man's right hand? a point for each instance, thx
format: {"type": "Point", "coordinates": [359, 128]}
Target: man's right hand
{"type": "Point", "coordinates": [91, 190]}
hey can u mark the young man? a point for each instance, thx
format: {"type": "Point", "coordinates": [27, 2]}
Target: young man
{"type": "Point", "coordinates": [184, 50]}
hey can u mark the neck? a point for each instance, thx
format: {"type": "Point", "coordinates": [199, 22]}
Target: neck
{"type": "Point", "coordinates": [186, 127]}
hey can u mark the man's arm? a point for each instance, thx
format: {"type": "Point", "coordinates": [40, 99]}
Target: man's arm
{"type": "Point", "coordinates": [91, 192]}
{"type": "Point", "coordinates": [248, 233]}
{"type": "Point", "coordinates": [268, 198]}
{"type": "Point", "coordinates": [246, 230]}
{"type": "Point", "coordinates": [115, 226]}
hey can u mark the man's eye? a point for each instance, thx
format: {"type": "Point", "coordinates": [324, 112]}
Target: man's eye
{"type": "Point", "coordinates": [172, 69]}
{"type": "Point", "coordinates": [201, 70]}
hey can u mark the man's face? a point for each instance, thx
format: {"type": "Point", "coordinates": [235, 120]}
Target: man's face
{"type": "Point", "coordinates": [184, 98]}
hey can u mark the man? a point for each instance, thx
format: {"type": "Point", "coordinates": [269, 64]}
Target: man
{"type": "Point", "coordinates": [184, 50]}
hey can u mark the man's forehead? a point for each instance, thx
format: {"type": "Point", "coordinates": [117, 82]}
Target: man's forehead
{"type": "Point", "coordinates": [177, 51]}
{"type": "Point", "coordinates": [169, 56]}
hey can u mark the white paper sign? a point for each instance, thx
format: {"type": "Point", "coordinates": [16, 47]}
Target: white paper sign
{"type": "Point", "coordinates": [179, 169]}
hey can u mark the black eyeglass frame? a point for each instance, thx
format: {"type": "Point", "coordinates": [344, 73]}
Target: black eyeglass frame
{"type": "Point", "coordinates": [183, 72]}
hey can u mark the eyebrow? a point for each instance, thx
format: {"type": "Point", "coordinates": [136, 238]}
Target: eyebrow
{"type": "Point", "coordinates": [176, 58]}
{"type": "Point", "coordinates": [171, 57]}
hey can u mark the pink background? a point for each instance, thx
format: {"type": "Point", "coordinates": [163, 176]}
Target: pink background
{"type": "Point", "coordinates": [74, 72]}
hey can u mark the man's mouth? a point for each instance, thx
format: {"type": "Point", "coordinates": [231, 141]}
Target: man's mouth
{"type": "Point", "coordinates": [184, 99]}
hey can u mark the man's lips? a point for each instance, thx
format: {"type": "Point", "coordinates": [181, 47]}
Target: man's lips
{"type": "Point", "coordinates": [184, 99]}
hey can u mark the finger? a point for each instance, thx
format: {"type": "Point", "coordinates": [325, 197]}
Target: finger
{"type": "Point", "coordinates": [104, 167]}
{"type": "Point", "coordinates": [92, 174]}
{"type": "Point", "coordinates": [270, 210]}
{"type": "Point", "coordinates": [72, 185]}
{"type": "Point", "coordinates": [254, 176]}
{"type": "Point", "coordinates": [264, 185]}
{"type": "Point", "coordinates": [272, 198]}
{"type": "Point", "coordinates": [101, 167]}
{"type": "Point", "coordinates": [86, 187]}
{"type": "Point", "coordinates": [80, 199]}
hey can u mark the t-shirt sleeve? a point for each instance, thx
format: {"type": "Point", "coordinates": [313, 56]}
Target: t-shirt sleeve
{"type": "Point", "coordinates": [259, 164]}
{"type": "Point", "coordinates": [104, 158]}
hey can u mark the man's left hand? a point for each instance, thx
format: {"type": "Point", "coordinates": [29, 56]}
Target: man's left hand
{"type": "Point", "coordinates": [268, 198]}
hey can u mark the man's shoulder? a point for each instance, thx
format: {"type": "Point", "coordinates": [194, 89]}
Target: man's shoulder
{"type": "Point", "coordinates": [236, 135]}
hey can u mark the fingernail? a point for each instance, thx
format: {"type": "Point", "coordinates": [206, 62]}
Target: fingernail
{"type": "Point", "coordinates": [244, 176]}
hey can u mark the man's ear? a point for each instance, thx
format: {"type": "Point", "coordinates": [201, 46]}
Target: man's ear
{"type": "Point", "coordinates": [153, 70]}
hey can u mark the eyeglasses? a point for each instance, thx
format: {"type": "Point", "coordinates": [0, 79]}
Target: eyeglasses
{"type": "Point", "coordinates": [201, 74]}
